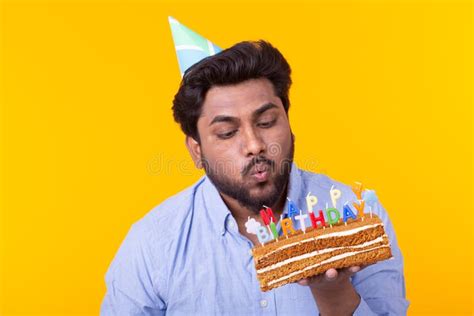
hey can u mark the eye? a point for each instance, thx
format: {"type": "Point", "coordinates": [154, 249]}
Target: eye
{"type": "Point", "coordinates": [227, 135]}
{"type": "Point", "coordinates": [267, 124]}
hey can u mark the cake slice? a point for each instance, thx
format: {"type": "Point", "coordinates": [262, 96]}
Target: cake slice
{"type": "Point", "coordinates": [304, 254]}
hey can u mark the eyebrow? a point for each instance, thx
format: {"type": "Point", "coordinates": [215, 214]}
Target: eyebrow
{"type": "Point", "coordinates": [263, 108]}
{"type": "Point", "coordinates": [223, 118]}
{"type": "Point", "coordinates": [232, 119]}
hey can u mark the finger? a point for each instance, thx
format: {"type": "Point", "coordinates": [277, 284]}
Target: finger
{"type": "Point", "coordinates": [348, 272]}
{"type": "Point", "coordinates": [330, 274]}
{"type": "Point", "coordinates": [354, 269]}
{"type": "Point", "coordinates": [304, 282]}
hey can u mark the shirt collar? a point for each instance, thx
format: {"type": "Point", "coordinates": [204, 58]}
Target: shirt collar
{"type": "Point", "coordinates": [219, 213]}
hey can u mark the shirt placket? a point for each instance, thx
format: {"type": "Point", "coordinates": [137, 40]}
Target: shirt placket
{"type": "Point", "coordinates": [264, 302]}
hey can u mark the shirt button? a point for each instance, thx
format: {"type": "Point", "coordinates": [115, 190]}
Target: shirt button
{"type": "Point", "coordinates": [263, 303]}
{"type": "Point", "coordinates": [231, 224]}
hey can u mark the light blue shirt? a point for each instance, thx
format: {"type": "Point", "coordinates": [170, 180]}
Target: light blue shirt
{"type": "Point", "coordinates": [187, 257]}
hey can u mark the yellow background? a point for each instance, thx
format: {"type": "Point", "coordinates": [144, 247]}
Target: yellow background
{"type": "Point", "coordinates": [382, 94]}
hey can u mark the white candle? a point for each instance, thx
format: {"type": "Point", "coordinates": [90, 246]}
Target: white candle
{"type": "Point", "coordinates": [335, 195]}
{"type": "Point", "coordinates": [301, 218]}
{"type": "Point", "coordinates": [311, 200]}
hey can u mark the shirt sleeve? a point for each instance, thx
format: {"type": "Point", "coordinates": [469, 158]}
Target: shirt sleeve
{"type": "Point", "coordinates": [131, 279]}
{"type": "Point", "coordinates": [381, 286]}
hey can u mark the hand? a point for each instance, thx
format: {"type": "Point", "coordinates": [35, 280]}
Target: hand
{"type": "Point", "coordinates": [333, 291]}
{"type": "Point", "coordinates": [331, 279]}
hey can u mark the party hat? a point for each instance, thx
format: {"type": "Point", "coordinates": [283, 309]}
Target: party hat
{"type": "Point", "coordinates": [190, 46]}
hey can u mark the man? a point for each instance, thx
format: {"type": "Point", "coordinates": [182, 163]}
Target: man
{"type": "Point", "coordinates": [190, 255]}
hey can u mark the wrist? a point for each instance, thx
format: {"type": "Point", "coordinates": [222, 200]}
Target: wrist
{"type": "Point", "coordinates": [336, 299]}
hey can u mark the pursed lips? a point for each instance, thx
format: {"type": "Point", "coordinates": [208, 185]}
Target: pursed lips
{"type": "Point", "coordinates": [260, 167]}
{"type": "Point", "coordinates": [260, 171]}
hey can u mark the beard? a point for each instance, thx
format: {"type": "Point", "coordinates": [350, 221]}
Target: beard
{"type": "Point", "coordinates": [241, 194]}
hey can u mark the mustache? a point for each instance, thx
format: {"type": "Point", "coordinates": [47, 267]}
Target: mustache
{"type": "Point", "coordinates": [256, 160]}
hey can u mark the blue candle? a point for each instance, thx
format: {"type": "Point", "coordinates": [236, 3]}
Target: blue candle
{"type": "Point", "coordinates": [263, 235]}
{"type": "Point", "coordinates": [347, 212]}
{"type": "Point", "coordinates": [292, 210]}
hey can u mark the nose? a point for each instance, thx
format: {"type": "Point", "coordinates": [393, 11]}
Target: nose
{"type": "Point", "coordinates": [253, 145]}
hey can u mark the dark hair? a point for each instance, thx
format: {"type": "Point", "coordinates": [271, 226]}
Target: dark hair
{"type": "Point", "coordinates": [241, 62]}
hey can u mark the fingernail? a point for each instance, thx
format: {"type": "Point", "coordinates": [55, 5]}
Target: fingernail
{"type": "Point", "coordinates": [331, 275]}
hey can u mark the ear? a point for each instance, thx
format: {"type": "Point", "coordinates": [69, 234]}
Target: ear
{"type": "Point", "coordinates": [194, 149]}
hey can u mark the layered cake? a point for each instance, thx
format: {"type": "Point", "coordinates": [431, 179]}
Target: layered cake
{"type": "Point", "coordinates": [302, 254]}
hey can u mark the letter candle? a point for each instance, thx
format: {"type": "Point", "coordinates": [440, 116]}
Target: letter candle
{"type": "Point", "coordinates": [269, 220]}
{"type": "Point", "coordinates": [335, 195]}
{"type": "Point", "coordinates": [302, 218]}
{"type": "Point", "coordinates": [330, 215]}
{"type": "Point", "coordinates": [263, 235]}
{"type": "Point", "coordinates": [344, 214]}
{"type": "Point", "coordinates": [370, 199]}
{"type": "Point", "coordinates": [315, 220]}
{"type": "Point", "coordinates": [287, 226]}
{"type": "Point", "coordinates": [292, 210]}
{"type": "Point", "coordinates": [311, 201]}
{"type": "Point", "coordinates": [254, 227]}
{"type": "Point", "coordinates": [347, 212]}
{"type": "Point", "coordinates": [357, 189]}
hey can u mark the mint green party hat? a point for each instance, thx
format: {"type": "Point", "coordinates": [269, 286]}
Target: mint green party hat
{"type": "Point", "coordinates": [190, 46]}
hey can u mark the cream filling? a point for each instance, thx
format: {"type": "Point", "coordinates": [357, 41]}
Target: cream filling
{"type": "Point", "coordinates": [316, 253]}
{"type": "Point", "coordinates": [335, 258]}
{"type": "Point", "coordinates": [335, 234]}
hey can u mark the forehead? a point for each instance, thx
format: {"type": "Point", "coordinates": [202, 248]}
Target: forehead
{"type": "Point", "coordinates": [240, 99]}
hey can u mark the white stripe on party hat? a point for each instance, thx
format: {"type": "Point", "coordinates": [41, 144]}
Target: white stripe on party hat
{"type": "Point", "coordinates": [190, 46]}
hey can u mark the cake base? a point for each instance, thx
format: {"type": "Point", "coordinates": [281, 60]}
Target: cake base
{"type": "Point", "coordinates": [303, 255]}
